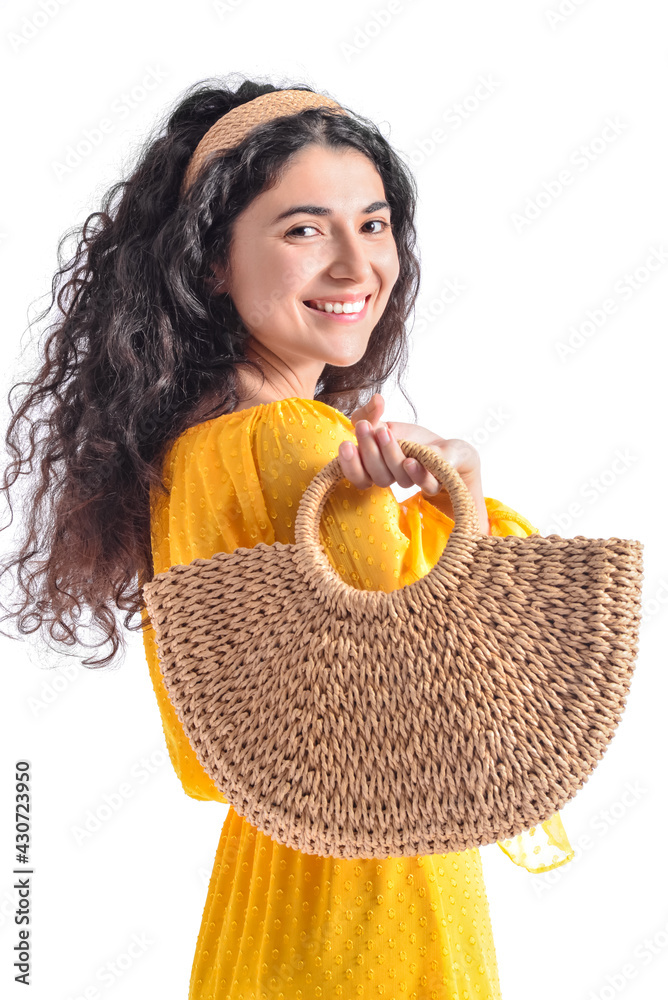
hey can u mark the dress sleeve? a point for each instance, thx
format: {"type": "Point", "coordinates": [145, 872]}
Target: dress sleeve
{"type": "Point", "coordinates": [547, 846]}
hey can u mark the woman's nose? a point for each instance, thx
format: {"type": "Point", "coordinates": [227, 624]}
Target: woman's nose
{"type": "Point", "coordinates": [350, 257]}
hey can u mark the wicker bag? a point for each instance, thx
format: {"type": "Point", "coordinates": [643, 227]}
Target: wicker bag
{"type": "Point", "coordinates": [451, 713]}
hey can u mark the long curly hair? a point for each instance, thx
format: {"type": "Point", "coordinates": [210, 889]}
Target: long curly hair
{"type": "Point", "coordinates": [140, 349]}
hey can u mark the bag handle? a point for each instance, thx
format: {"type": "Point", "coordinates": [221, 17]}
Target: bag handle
{"type": "Point", "coordinates": [456, 556]}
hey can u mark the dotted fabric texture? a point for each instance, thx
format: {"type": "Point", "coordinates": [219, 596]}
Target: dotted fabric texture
{"type": "Point", "coordinates": [279, 923]}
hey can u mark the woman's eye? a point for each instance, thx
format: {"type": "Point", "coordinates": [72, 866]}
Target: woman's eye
{"type": "Point", "coordinates": [379, 222]}
{"type": "Point", "coordinates": [297, 229]}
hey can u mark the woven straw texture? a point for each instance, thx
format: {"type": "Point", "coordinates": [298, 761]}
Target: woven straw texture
{"type": "Point", "coordinates": [234, 126]}
{"type": "Point", "coordinates": [451, 713]}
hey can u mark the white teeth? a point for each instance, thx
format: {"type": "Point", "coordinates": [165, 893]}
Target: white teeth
{"type": "Point", "coordinates": [339, 307]}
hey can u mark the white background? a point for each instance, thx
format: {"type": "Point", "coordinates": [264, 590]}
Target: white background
{"type": "Point", "coordinates": [579, 429]}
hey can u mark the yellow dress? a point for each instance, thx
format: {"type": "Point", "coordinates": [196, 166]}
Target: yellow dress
{"type": "Point", "coordinates": [279, 924]}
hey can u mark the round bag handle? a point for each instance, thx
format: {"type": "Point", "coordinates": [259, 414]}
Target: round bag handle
{"type": "Point", "coordinates": [456, 556]}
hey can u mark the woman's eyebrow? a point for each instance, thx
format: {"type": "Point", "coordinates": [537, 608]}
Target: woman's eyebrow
{"type": "Point", "coordinates": [375, 206]}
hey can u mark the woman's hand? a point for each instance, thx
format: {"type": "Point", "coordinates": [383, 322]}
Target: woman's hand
{"type": "Point", "coordinates": [378, 461]}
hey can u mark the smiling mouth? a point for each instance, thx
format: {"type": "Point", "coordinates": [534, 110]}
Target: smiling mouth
{"type": "Point", "coordinates": [310, 305]}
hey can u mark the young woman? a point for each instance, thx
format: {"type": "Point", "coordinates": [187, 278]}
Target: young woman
{"type": "Point", "coordinates": [229, 319]}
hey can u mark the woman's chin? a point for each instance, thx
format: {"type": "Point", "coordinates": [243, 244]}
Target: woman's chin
{"type": "Point", "coordinates": [344, 359]}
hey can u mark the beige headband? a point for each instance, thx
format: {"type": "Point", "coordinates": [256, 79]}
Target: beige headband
{"type": "Point", "coordinates": [229, 130]}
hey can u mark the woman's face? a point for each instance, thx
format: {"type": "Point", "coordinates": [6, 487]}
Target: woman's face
{"type": "Point", "coordinates": [322, 234]}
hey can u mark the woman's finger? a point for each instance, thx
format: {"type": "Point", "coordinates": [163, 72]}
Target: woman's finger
{"type": "Point", "coordinates": [405, 474]}
{"type": "Point", "coordinates": [421, 477]}
{"type": "Point", "coordinates": [371, 411]}
{"type": "Point", "coordinates": [351, 466]}
{"type": "Point", "coordinates": [378, 459]}
{"type": "Point", "coordinates": [372, 457]}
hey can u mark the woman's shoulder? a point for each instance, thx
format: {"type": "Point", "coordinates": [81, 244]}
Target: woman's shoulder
{"type": "Point", "coordinates": [285, 412]}
{"type": "Point", "coordinates": [294, 419]}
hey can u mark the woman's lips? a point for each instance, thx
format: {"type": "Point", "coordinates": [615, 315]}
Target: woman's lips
{"type": "Point", "coordinates": [341, 317]}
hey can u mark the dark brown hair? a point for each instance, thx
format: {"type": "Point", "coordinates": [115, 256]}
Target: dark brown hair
{"type": "Point", "coordinates": [140, 349]}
